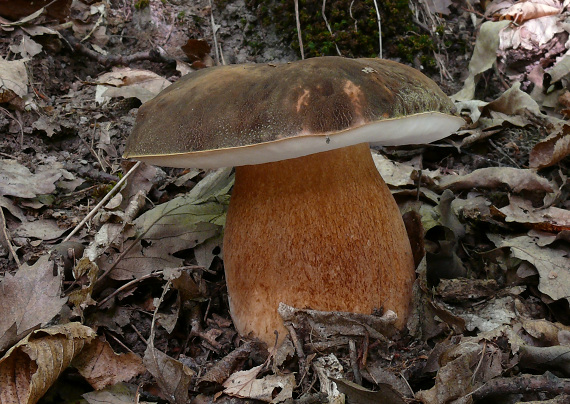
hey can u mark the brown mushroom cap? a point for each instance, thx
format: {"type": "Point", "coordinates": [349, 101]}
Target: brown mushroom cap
{"type": "Point", "coordinates": [252, 114]}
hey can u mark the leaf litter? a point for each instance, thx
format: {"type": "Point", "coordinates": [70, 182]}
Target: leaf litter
{"type": "Point", "coordinates": [145, 277]}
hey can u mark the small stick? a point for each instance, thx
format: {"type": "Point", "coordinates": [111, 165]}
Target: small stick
{"type": "Point", "coordinates": [103, 201]}
{"type": "Point", "coordinates": [129, 285]}
{"type": "Point", "coordinates": [7, 238]}
{"type": "Point", "coordinates": [299, 28]}
{"type": "Point", "coordinates": [379, 29]}
{"type": "Point", "coordinates": [354, 362]}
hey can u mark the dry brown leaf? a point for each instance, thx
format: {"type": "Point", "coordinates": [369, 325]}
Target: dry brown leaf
{"type": "Point", "coordinates": [514, 179]}
{"type": "Point", "coordinates": [29, 368]}
{"type": "Point", "coordinates": [28, 299]}
{"type": "Point", "coordinates": [120, 393]}
{"type": "Point", "coordinates": [172, 376]}
{"type": "Point", "coordinates": [551, 150]}
{"type": "Point", "coordinates": [355, 393]}
{"type": "Point", "coordinates": [551, 219]}
{"type": "Point", "coordinates": [102, 367]}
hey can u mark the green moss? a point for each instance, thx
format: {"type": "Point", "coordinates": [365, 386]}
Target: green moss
{"type": "Point", "coordinates": [140, 4]}
{"type": "Point", "coordinates": [354, 29]}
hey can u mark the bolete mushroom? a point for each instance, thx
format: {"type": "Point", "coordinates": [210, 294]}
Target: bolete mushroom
{"type": "Point", "coordinates": [311, 223]}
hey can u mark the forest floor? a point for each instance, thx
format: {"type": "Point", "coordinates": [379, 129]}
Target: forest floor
{"type": "Point", "coordinates": [131, 306]}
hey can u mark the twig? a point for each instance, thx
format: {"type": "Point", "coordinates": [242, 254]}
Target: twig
{"type": "Point", "coordinates": [329, 27]}
{"type": "Point", "coordinates": [547, 383]}
{"type": "Point", "coordinates": [214, 31]}
{"type": "Point", "coordinates": [7, 238]}
{"type": "Point", "coordinates": [153, 55]}
{"type": "Point", "coordinates": [129, 285]}
{"type": "Point", "coordinates": [379, 28]}
{"type": "Point", "coordinates": [354, 362]}
{"type": "Point", "coordinates": [103, 201]}
{"type": "Point", "coordinates": [135, 329]}
{"type": "Point", "coordinates": [299, 28]}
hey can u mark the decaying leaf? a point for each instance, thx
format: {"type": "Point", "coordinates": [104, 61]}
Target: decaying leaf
{"type": "Point", "coordinates": [357, 394]}
{"type": "Point", "coordinates": [551, 150]}
{"type": "Point", "coordinates": [102, 367]}
{"type": "Point", "coordinates": [527, 10]}
{"type": "Point", "coordinates": [172, 376]}
{"type": "Point", "coordinates": [119, 393]}
{"type": "Point", "coordinates": [178, 224]}
{"type": "Point", "coordinates": [13, 79]}
{"type": "Point", "coordinates": [28, 299]}
{"type": "Point", "coordinates": [514, 179]}
{"type": "Point", "coordinates": [271, 388]}
{"type": "Point", "coordinates": [29, 368]}
{"type": "Point", "coordinates": [551, 263]}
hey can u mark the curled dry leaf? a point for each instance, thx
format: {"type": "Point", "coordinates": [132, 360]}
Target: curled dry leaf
{"type": "Point", "coordinates": [355, 393]}
{"type": "Point", "coordinates": [527, 10]}
{"type": "Point", "coordinates": [127, 83]}
{"type": "Point", "coordinates": [28, 299]}
{"type": "Point", "coordinates": [29, 368]}
{"type": "Point", "coordinates": [551, 150]}
{"type": "Point", "coordinates": [102, 367]}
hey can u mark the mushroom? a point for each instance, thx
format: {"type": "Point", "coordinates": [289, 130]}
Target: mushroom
{"type": "Point", "coordinates": [311, 223]}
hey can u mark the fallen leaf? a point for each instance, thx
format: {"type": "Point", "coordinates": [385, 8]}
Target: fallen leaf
{"type": "Point", "coordinates": [43, 229]}
{"type": "Point", "coordinates": [514, 179]}
{"type": "Point", "coordinates": [126, 82]}
{"type": "Point", "coordinates": [550, 219]}
{"type": "Point", "coordinates": [13, 77]}
{"type": "Point", "coordinates": [357, 394]}
{"type": "Point", "coordinates": [17, 180]}
{"type": "Point", "coordinates": [551, 150]}
{"type": "Point", "coordinates": [102, 367]}
{"type": "Point", "coordinates": [28, 299]}
{"type": "Point", "coordinates": [120, 393]}
{"type": "Point", "coordinates": [29, 368]}
{"type": "Point", "coordinates": [527, 10]}
{"type": "Point", "coordinates": [172, 376]}
{"type": "Point", "coordinates": [271, 388]}
{"type": "Point", "coordinates": [551, 263]}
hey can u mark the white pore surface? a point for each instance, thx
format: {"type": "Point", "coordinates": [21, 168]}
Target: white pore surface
{"type": "Point", "coordinates": [415, 129]}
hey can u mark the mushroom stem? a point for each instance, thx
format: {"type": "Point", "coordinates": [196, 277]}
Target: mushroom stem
{"type": "Point", "coordinates": [322, 232]}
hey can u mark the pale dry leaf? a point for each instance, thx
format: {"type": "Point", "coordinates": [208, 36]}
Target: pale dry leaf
{"type": "Point", "coordinates": [514, 179]}
{"type": "Point", "coordinates": [27, 48]}
{"type": "Point", "coordinates": [551, 263]}
{"type": "Point", "coordinates": [43, 229]}
{"type": "Point", "coordinates": [244, 384]}
{"type": "Point", "coordinates": [102, 367]}
{"type": "Point", "coordinates": [28, 299]}
{"type": "Point", "coordinates": [17, 180]}
{"type": "Point", "coordinates": [12, 208]}
{"type": "Point", "coordinates": [551, 150]}
{"type": "Point", "coordinates": [484, 57]}
{"type": "Point", "coordinates": [29, 368]}
{"type": "Point", "coordinates": [551, 219]}
{"type": "Point", "coordinates": [13, 77]}
{"type": "Point", "coordinates": [532, 34]}
{"type": "Point", "coordinates": [172, 376]}
{"type": "Point", "coordinates": [393, 173]}
{"type": "Point", "coordinates": [126, 82]}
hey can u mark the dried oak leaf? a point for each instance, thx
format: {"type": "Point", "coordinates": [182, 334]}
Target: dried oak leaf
{"type": "Point", "coordinates": [550, 219]}
{"type": "Point", "coordinates": [102, 367]}
{"type": "Point", "coordinates": [28, 299]}
{"type": "Point", "coordinates": [29, 368]}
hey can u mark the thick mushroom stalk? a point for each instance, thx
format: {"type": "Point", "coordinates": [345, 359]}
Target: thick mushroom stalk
{"type": "Point", "coordinates": [320, 232]}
